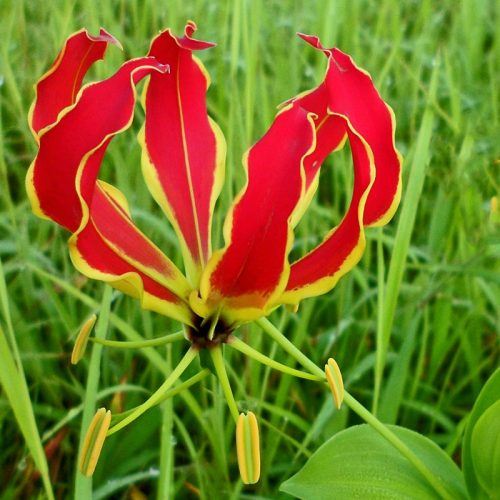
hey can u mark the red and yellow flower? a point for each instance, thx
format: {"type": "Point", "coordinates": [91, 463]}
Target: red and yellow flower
{"type": "Point", "coordinates": [183, 156]}
{"type": "Point", "coordinates": [183, 161]}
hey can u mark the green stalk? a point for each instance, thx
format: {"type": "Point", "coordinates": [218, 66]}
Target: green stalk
{"type": "Point", "coordinates": [122, 344]}
{"type": "Point", "coordinates": [165, 480]}
{"type": "Point", "coordinates": [358, 408]}
{"type": "Point", "coordinates": [220, 369]}
{"type": "Point", "coordinates": [83, 484]}
{"type": "Point", "coordinates": [380, 355]}
{"type": "Point", "coordinates": [239, 345]}
{"type": "Point", "coordinates": [158, 396]}
{"type": "Point", "coordinates": [404, 231]}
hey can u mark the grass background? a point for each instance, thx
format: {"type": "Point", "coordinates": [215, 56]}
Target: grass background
{"type": "Point", "coordinates": [414, 327]}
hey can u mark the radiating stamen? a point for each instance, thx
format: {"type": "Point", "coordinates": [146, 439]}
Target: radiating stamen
{"type": "Point", "coordinates": [248, 447]}
{"type": "Point", "coordinates": [334, 378]}
{"type": "Point", "coordinates": [220, 369]}
{"type": "Point", "coordinates": [139, 344]}
{"type": "Point", "coordinates": [94, 439]}
{"type": "Point", "coordinates": [244, 348]}
{"type": "Point", "coordinates": [170, 393]}
{"type": "Point", "coordinates": [82, 339]}
{"type": "Point", "coordinates": [159, 394]}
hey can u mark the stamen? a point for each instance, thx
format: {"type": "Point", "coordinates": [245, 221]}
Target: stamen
{"type": "Point", "coordinates": [139, 344]}
{"type": "Point", "coordinates": [220, 369]}
{"type": "Point", "coordinates": [82, 339]}
{"type": "Point", "coordinates": [94, 439]}
{"type": "Point", "coordinates": [158, 396]}
{"type": "Point", "coordinates": [248, 447]}
{"type": "Point", "coordinates": [334, 378]}
{"type": "Point", "coordinates": [169, 394]}
{"type": "Point", "coordinates": [244, 348]}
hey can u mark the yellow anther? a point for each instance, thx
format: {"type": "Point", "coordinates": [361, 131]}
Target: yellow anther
{"type": "Point", "coordinates": [82, 339]}
{"type": "Point", "coordinates": [248, 447]}
{"type": "Point", "coordinates": [334, 378]}
{"type": "Point", "coordinates": [94, 439]}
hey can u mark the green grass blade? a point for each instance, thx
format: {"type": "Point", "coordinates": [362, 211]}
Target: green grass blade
{"type": "Point", "coordinates": [420, 160]}
{"type": "Point", "coordinates": [13, 382]}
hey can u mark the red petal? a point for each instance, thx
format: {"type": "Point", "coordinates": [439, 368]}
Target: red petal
{"type": "Point", "coordinates": [253, 268]}
{"type": "Point", "coordinates": [92, 257]}
{"type": "Point", "coordinates": [353, 95]}
{"type": "Point", "coordinates": [183, 149]}
{"type": "Point", "coordinates": [320, 269]}
{"type": "Point", "coordinates": [350, 98]}
{"type": "Point", "coordinates": [62, 186]}
{"type": "Point", "coordinates": [59, 86]}
{"type": "Point", "coordinates": [79, 138]}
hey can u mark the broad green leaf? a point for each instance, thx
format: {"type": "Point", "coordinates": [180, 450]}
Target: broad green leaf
{"type": "Point", "coordinates": [485, 450]}
{"type": "Point", "coordinates": [359, 463]}
{"type": "Point", "coordinates": [489, 395]}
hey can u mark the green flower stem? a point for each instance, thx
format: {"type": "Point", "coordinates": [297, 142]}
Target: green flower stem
{"type": "Point", "coordinates": [358, 408]}
{"type": "Point", "coordinates": [121, 344]}
{"type": "Point", "coordinates": [239, 345]}
{"type": "Point", "coordinates": [218, 361]}
{"type": "Point", "coordinates": [158, 396]}
{"type": "Point", "coordinates": [169, 394]}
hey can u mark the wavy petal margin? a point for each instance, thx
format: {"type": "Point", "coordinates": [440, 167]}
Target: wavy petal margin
{"type": "Point", "coordinates": [352, 102]}
{"type": "Point", "coordinates": [351, 93]}
{"type": "Point", "coordinates": [183, 148]}
{"type": "Point", "coordinates": [59, 86]}
{"type": "Point", "coordinates": [252, 270]}
{"type": "Point", "coordinates": [62, 186]}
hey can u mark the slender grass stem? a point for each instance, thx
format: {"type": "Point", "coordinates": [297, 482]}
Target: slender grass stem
{"type": "Point", "coordinates": [218, 360]}
{"type": "Point", "coordinates": [244, 348]}
{"type": "Point", "coordinates": [83, 484]}
{"type": "Point", "coordinates": [359, 409]}
{"type": "Point", "coordinates": [165, 480]}
{"type": "Point", "coordinates": [122, 344]}
{"type": "Point", "coordinates": [158, 396]}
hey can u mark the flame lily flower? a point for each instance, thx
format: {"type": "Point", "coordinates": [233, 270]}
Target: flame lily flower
{"type": "Point", "coordinates": [183, 157]}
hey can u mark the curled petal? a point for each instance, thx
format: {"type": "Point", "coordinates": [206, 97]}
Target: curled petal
{"type": "Point", "coordinates": [62, 186]}
{"type": "Point", "coordinates": [59, 86]}
{"type": "Point", "coordinates": [253, 267]}
{"type": "Point", "coordinates": [349, 101]}
{"type": "Point", "coordinates": [319, 270]}
{"type": "Point", "coordinates": [351, 93]}
{"type": "Point", "coordinates": [183, 148]}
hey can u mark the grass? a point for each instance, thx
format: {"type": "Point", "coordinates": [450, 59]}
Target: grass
{"type": "Point", "coordinates": [414, 327]}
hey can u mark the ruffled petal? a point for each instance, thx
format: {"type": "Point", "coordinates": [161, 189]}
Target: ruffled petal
{"type": "Point", "coordinates": [351, 93]}
{"type": "Point", "coordinates": [349, 101]}
{"type": "Point", "coordinates": [59, 86]}
{"type": "Point", "coordinates": [319, 270]}
{"type": "Point", "coordinates": [183, 148]}
{"type": "Point", "coordinates": [244, 278]}
{"type": "Point", "coordinates": [62, 186]}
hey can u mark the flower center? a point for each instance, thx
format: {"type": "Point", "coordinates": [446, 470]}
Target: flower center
{"type": "Point", "coordinates": [208, 332]}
